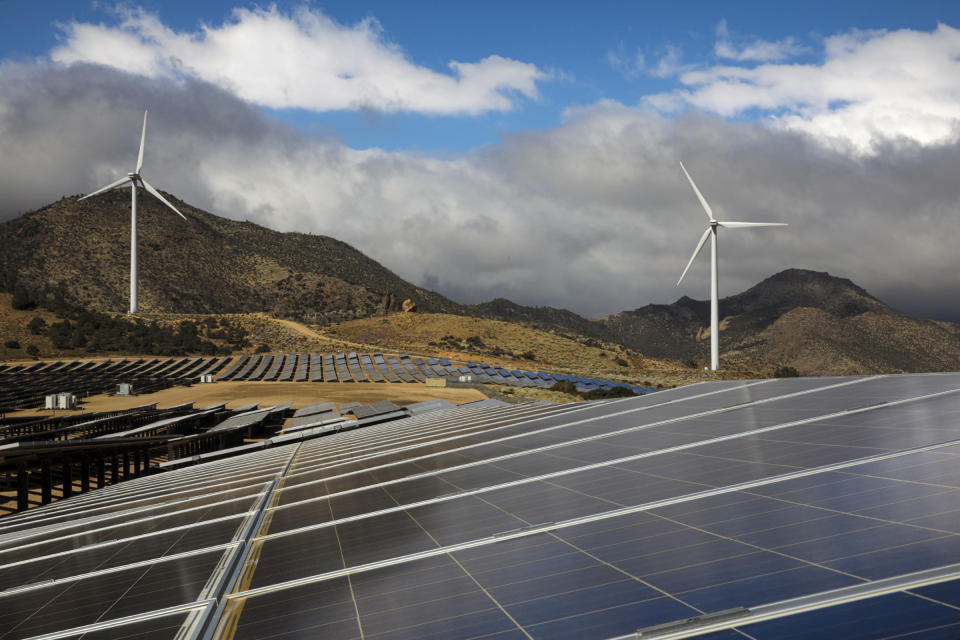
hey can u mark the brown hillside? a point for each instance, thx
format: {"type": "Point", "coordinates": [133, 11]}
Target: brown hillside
{"type": "Point", "coordinates": [504, 343]}
{"type": "Point", "coordinates": [80, 251]}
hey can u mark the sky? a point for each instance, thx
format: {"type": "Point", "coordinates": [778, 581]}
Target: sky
{"type": "Point", "coordinates": [518, 150]}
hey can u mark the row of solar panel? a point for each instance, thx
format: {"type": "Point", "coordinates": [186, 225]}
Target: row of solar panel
{"type": "Point", "coordinates": [363, 367]}
{"type": "Point", "coordinates": [584, 521]}
{"type": "Point", "coordinates": [23, 386]}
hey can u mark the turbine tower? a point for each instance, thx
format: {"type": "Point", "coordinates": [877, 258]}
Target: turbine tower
{"type": "Point", "coordinates": [711, 233]}
{"type": "Point", "coordinates": [135, 179]}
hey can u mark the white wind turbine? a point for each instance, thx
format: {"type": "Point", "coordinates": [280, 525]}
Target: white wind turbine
{"type": "Point", "coordinates": [134, 179]}
{"type": "Point", "coordinates": [711, 232]}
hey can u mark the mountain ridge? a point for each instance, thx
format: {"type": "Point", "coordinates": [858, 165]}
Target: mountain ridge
{"type": "Point", "coordinates": [77, 252]}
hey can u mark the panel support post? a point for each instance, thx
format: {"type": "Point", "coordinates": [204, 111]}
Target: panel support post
{"type": "Point", "coordinates": [67, 479]}
{"type": "Point", "coordinates": [23, 489]}
{"type": "Point", "coordinates": [46, 484]}
{"type": "Point", "coordinates": [85, 475]}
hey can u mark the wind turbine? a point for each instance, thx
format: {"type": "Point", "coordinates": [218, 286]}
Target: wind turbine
{"type": "Point", "coordinates": [135, 179]}
{"type": "Point", "coordinates": [711, 233]}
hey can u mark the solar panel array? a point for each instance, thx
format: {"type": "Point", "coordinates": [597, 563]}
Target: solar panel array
{"type": "Point", "coordinates": [24, 386]}
{"type": "Point", "coordinates": [795, 508]}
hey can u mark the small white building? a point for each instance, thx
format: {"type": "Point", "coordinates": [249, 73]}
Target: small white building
{"type": "Point", "coordinates": [61, 400]}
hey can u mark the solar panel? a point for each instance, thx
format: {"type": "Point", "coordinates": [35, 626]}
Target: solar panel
{"type": "Point", "coordinates": [789, 508]}
{"type": "Point", "coordinates": [274, 370]}
{"type": "Point", "coordinates": [303, 366]}
{"type": "Point", "coordinates": [316, 367]}
{"type": "Point", "coordinates": [289, 367]}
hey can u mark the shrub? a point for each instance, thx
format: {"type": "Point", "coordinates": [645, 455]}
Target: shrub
{"type": "Point", "coordinates": [620, 361]}
{"type": "Point", "coordinates": [32, 350]}
{"type": "Point", "coordinates": [786, 372]}
{"type": "Point", "coordinates": [37, 326]}
{"type": "Point", "coordinates": [11, 344]}
{"type": "Point", "coordinates": [612, 392]}
{"type": "Point", "coordinates": [565, 386]}
{"type": "Point", "coordinates": [528, 355]}
{"type": "Point", "coordinates": [22, 299]}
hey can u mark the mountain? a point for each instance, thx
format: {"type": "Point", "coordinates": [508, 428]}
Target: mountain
{"type": "Point", "coordinates": [79, 251]}
{"type": "Point", "coordinates": [812, 321]}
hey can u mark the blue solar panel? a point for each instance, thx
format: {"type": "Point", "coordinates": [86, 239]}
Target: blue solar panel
{"type": "Point", "coordinates": [583, 520]}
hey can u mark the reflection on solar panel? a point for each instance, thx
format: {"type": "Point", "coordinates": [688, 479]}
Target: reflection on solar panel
{"type": "Point", "coordinates": [792, 508]}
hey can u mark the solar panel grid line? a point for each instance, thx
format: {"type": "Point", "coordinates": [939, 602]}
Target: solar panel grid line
{"type": "Point", "coordinates": [812, 602]}
{"type": "Point", "coordinates": [189, 607]}
{"type": "Point", "coordinates": [233, 572]}
{"type": "Point", "coordinates": [587, 420]}
{"type": "Point", "coordinates": [109, 543]}
{"type": "Point", "coordinates": [434, 421]}
{"type": "Point", "coordinates": [339, 458]}
{"type": "Point", "coordinates": [360, 440]}
{"type": "Point", "coordinates": [581, 468]}
{"type": "Point", "coordinates": [36, 546]}
{"type": "Point", "coordinates": [503, 417]}
{"type": "Point", "coordinates": [658, 404]}
{"type": "Point", "coordinates": [555, 526]}
{"type": "Point", "coordinates": [130, 487]}
{"type": "Point", "coordinates": [93, 574]}
{"type": "Point", "coordinates": [202, 487]}
{"type": "Point", "coordinates": [472, 492]}
{"type": "Point", "coordinates": [100, 520]}
{"type": "Point", "coordinates": [387, 438]}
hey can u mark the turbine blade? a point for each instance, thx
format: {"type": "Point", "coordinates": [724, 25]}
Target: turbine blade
{"type": "Point", "coordinates": [696, 252]}
{"type": "Point", "coordinates": [703, 201]}
{"type": "Point", "coordinates": [156, 194]}
{"type": "Point", "coordinates": [112, 185]}
{"type": "Point", "coordinates": [747, 225]}
{"type": "Point", "coordinates": [143, 138]}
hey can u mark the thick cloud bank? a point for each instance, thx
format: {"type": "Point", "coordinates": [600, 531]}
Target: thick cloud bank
{"type": "Point", "coordinates": [594, 215]}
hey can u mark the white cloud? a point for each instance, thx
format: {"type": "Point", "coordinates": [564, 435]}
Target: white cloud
{"type": "Point", "coordinates": [872, 88]}
{"type": "Point", "coordinates": [670, 63]}
{"type": "Point", "coordinates": [302, 60]}
{"type": "Point", "coordinates": [594, 215]}
{"type": "Point", "coordinates": [753, 49]}
{"type": "Point", "coordinates": [631, 65]}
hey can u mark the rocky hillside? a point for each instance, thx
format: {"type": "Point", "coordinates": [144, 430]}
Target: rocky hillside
{"type": "Point", "coordinates": [80, 251]}
{"type": "Point", "coordinates": [812, 321]}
